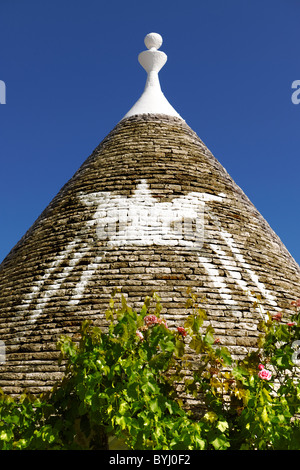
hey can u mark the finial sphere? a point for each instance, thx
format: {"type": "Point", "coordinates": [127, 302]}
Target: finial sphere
{"type": "Point", "coordinates": [153, 40]}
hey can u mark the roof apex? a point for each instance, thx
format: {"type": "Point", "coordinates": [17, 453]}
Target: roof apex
{"type": "Point", "coordinates": [152, 100]}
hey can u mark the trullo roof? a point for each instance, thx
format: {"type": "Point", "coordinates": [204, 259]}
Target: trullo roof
{"type": "Point", "coordinates": [150, 209]}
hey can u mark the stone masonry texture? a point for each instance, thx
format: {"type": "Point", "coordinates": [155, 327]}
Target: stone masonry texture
{"type": "Point", "coordinates": [62, 272]}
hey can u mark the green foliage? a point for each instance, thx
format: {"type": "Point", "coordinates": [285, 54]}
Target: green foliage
{"type": "Point", "coordinates": [124, 382]}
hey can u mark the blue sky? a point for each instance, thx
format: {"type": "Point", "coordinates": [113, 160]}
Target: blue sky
{"type": "Point", "coordinates": [71, 73]}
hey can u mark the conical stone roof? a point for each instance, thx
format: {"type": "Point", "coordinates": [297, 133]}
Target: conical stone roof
{"type": "Point", "coordinates": [150, 209]}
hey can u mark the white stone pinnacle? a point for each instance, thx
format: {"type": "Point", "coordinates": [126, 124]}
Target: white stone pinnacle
{"type": "Point", "coordinates": [152, 101]}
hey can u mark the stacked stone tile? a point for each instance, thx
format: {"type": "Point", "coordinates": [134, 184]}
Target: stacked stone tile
{"type": "Point", "coordinates": [150, 210]}
{"type": "Point", "coordinates": [64, 270]}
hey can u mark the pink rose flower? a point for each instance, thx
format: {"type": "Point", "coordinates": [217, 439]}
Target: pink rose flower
{"type": "Point", "coordinates": [264, 373]}
{"type": "Point", "coordinates": [150, 320]}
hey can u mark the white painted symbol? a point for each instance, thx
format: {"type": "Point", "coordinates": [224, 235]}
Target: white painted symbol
{"type": "Point", "coordinates": [141, 220]}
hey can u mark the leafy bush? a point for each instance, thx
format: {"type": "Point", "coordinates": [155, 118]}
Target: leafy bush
{"type": "Point", "coordinates": [127, 382]}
